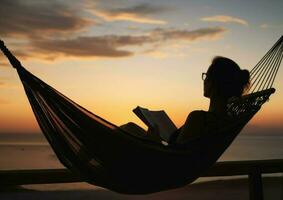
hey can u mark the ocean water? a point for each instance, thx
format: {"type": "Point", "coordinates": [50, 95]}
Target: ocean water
{"type": "Point", "coordinates": [29, 151]}
{"type": "Point", "coordinates": [33, 152]}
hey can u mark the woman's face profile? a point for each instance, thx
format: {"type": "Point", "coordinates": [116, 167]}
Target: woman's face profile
{"type": "Point", "coordinates": [206, 85]}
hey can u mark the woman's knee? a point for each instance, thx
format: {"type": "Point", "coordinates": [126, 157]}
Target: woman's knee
{"type": "Point", "coordinates": [132, 127]}
{"type": "Point", "coordinates": [128, 125]}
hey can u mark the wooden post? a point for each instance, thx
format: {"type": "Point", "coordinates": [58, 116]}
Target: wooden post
{"type": "Point", "coordinates": [255, 182]}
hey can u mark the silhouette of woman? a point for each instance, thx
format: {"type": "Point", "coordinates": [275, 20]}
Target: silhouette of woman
{"type": "Point", "coordinates": [224, 79]}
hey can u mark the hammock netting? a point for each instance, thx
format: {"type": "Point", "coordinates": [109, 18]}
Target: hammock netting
{"type": "Point", "coordinates": [107, 156]}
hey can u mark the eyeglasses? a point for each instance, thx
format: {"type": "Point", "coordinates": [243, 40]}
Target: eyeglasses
{"type": "Point", "coordinates": [203, 76]}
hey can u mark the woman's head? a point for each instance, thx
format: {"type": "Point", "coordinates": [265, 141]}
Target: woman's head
{"type": "Point", "coordinates": [225, 78]}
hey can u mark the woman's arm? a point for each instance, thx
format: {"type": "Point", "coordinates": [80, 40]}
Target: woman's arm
{"type": "Point", "coordinates": [134, 129]}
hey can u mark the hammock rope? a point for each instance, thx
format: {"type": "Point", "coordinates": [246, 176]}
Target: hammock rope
{"type": "Point", "coordinates": [264, 73]}
{"type": "Point", "coordinates": [107, 156]}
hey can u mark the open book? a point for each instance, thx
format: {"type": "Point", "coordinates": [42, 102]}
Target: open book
{"type": "Point", "coordinates": [158, 120]}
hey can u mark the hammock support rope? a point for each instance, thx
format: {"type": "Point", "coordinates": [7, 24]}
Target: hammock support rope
{"type": "Point", "coordinates": [105, 155]}
{"type": "Point", "coordinates": [265, 71]}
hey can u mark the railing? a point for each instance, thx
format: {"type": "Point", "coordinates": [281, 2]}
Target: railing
{"type": "Point", "coordinates": [254, 169]}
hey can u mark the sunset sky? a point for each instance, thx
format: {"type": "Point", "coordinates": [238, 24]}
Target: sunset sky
{"type": "Point", "coordinates": [110, 56]}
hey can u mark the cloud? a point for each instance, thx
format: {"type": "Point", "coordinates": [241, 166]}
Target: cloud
{"type": "Point", "coordinates": [33, 18]}
{"type": "Point", "coordinates": [270, 26]}
{"type": "Point", "coordinates": [264, 26]}
{"type": "Point", "coordinates": [137, 13]}
{"type": "Point", "coordinates": [50, 29]}
{"type": "Point", "coordinates": [18, 52]}
{"type": "Point", "coordinates": [3, 61]}
{"type": "Point", "coordinates": [225, 19]}
{"type": "Point", "coordinates": [100, 46]}
{"type": "Point", "coordinates": [3, 64]}
{"type": "Point", "coordinates": [3, 80]}
{"type": "Point", "coordinates": [189, 35]}
{"type": "Point", "coordinates": [112, 45]}
{"type": "Point", "coordinates": [3, 84]}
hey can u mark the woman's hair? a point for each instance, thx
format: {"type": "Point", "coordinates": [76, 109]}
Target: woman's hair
{"type": "Point", "coordinates": [227, 77]}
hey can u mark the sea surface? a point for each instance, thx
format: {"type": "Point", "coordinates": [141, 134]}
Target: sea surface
{"type": "Point", "coordinates": [31, 151]}
{"type": "Point", "coordinates": [27, 151]}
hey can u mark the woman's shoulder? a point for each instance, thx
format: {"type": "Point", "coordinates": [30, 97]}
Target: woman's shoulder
{"type": "Point", "coordinates": [196, 117]}
{"type": "Point", "coordinates": [194, 125]}
{"type": "Point", "coordinates": [197, 113]}
{"type": "Point", "coordinates": [207, 117]}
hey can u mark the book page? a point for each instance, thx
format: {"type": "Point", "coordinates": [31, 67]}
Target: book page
{"type": "Point", "coordinates": [145, 115]}
{"type": "Point", "coordinates": [165, 126]}
{"type": "Point", "coordinates": [157, 119]}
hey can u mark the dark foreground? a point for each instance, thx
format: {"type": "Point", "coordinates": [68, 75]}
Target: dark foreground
{"type": "Point", "coordinates": [220, 189]}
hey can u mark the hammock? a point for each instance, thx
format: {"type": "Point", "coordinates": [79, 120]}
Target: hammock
{"type": "Point", "coordinates": [107, 156]}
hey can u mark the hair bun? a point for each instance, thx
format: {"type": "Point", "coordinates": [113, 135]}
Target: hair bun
{"type": "Point", "coordinates": [245, 77]}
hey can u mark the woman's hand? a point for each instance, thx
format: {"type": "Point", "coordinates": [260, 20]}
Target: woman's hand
{"type": "Point", "coordinates": [153, 134]}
